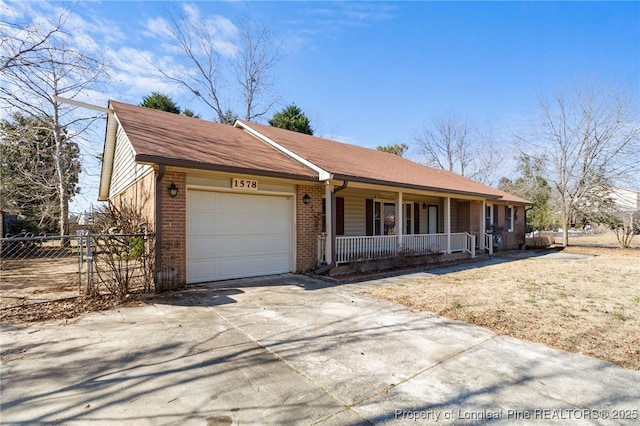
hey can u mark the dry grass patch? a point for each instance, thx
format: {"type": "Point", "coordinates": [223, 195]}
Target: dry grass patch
{"type": "Point", "coordinates": [589, 305]}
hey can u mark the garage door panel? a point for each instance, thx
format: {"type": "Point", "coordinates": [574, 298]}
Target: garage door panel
{"type": "Point", "coordinates": [267, 247]}
{"type": "Point", "coordinates": [237, 235]}
{"type": "Point", "coordinates": [203, 202]}
{"type": "Point", "coordinates": [229, 203]}
{"type": "Point", "coordinates": [201, 223]}
{"type": "Point", "coordinates": [201, 270]}
{"type": "Point", "coordinates": [201, 248]}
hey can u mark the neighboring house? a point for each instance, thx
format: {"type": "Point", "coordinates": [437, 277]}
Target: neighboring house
{"type": "Point", "coordinates": [625, 200]}
{"type": "Point", "coordinates": [249, 199]}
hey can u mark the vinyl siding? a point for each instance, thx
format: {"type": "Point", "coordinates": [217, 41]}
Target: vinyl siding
{"type": "Point", "coordinates": [355, 213]}
{"type": "Point", "coordinates": [223, 181]}
{"type": "Point", "coordinates": [125, 169]}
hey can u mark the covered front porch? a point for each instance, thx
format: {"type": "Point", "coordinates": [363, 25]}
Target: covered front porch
{"type": "Point", "coordinates": [352, 249]}
{"type": "Point", "coordinates": [369, 224]}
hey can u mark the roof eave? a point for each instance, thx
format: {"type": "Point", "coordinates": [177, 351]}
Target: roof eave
{"type": "Point", "coordinates": [414, 187]}
{"type": "Point", "coordinates": [196, 165]}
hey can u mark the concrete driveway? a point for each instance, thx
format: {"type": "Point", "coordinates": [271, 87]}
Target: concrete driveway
{"type": "Point", "coordinates": [295, 350]}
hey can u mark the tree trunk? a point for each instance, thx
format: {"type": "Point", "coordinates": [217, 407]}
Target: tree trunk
{"type": "Point", "coordinates": [565, 233]}
{"type": "Point", "coordinates": [63, 221]}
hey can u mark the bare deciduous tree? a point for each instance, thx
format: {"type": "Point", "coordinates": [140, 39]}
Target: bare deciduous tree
{"type": "Point", "coordinates": [31, 86]}
{"type": "Point", "coordinates": [452, 144]}
{"type": "Point", "coordinates": [255, 60]}
{"type": "Point", "coordinates": [592, 138]}
{"type": "Point", "coordinates": [222, 61]}
{"type": "Point", "coordinates": [20, 44]}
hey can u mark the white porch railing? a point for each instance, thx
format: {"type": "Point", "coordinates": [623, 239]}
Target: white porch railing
{"type": "Point", "coordinates": [488, 243]}
{"type": "Point", "coordinates": [484, 242]}
{"type": "Point", "coordinates": [349, 249]}
{"type": "Point", "coordinates": [424, 243]}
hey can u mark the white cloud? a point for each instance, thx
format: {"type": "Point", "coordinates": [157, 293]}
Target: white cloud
{"type": "Point", "coordinates": [8, 11]}
{"type": "Point", "coordinates": [218, 31]}
{"type": "Point", "coordinates": [134, 74]}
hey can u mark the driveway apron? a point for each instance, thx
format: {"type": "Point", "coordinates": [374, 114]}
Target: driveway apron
{"type": "Point", "coordinates": [295, 350]}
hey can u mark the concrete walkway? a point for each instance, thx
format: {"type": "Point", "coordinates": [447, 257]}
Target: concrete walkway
{"type": "Point", "coordinates": [295, 350]}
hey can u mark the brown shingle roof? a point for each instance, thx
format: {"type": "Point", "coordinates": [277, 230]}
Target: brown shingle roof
{"type": "Point", "coordinates": [160, 137]}
{"type": "Point", "coordinates": [172, 139]}
{"type": "Point", "coordinates": [356, 163]}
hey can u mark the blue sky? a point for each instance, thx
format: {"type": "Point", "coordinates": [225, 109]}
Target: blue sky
{"type": "Point", "coordinates": [372, 73]}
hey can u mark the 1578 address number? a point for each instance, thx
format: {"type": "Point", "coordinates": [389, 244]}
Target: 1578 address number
{"type": "Point", "coordinates": [249, 184]}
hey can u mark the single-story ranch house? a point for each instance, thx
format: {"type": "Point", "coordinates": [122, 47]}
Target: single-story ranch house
{"type": "Point", "coordinates": [249, 199]}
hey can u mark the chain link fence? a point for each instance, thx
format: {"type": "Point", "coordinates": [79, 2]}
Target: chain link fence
{"type": "Point", "coordinates": [37, 269]}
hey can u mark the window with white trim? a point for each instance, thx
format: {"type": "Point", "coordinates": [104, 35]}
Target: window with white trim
{"type": "Point", "coordinates": [488, 224]}
{"type": "Point", "coordinates": [508, 218]}
{"type": "Point", "coordinates": [384, 218]}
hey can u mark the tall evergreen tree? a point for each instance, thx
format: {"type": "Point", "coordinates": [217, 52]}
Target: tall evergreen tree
{"type": "Point", "coordinates": [157, 100]}
{"type": "Point", "coordinates": [398, 149]}
{"type": "Point", "coordinates": [292, 118]}
{"type": "Point", "coordinates": [28, 170]}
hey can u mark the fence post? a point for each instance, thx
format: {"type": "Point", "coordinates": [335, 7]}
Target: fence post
{"type": "Point", "coordinates": [89, 264]}
{"type": "Point", "coordinates": [79, 234]}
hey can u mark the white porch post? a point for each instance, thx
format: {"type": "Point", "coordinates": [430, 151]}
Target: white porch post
{"type": "Point", "coordinates": [328, 190]}
{"type": "Point", "coordinates": [447, 222]}
{"type": "Point", "coordinates": [399, 219]}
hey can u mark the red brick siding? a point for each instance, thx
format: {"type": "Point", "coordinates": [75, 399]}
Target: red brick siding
{"type": "Point", "coordinates": [463, 216]}
{"type": "Point", "coordinates": [308, 226]}
{"type": "Point", "coordinates": [174, 230]}
{"type": "Point", "coordinates": [515, 239]}
{"type": "Point", "coordinates": [475, 216]}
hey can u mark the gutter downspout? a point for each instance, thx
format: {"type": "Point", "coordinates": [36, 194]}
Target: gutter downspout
{"type": "Point", "coordinates": [158, 219]}
{"type": "Point", "coordinates": [325, 268]}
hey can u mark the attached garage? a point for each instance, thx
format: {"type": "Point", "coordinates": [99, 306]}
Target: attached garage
{"type": "Point", "coordinates": [232, 235]}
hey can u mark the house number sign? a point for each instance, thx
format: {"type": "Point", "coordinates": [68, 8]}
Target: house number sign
{"type": "Point", "coordinates": [245, 184]}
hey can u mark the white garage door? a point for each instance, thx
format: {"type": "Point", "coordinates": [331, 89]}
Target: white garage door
{"type": "Point", "coordinates": [237, 235]}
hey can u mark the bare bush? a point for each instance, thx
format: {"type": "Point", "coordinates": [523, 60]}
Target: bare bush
{"type": "Point", "coordinates": [124, 254]}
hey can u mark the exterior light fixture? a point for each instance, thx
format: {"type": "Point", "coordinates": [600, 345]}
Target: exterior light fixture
{"type": "Point", "coordinates": [173, 190]}
{"type": "Point", "coordinates": [424, 206]}
{"type": "Point", "coordinates": [306, 199]}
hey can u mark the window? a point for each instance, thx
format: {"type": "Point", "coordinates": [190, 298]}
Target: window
{"type": "Point", "coordinates": [389, 218]}
{"type": "Point", "coordinates": [381, 218]}
{"type": "Point", "coordinates": [488, 221]}
{"type": "Point", "coordinates": [508, 218]}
